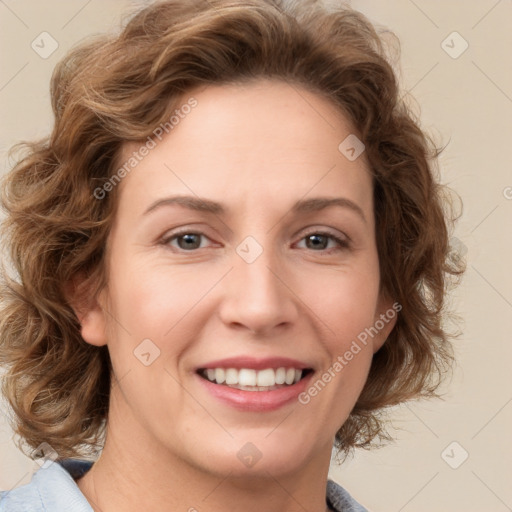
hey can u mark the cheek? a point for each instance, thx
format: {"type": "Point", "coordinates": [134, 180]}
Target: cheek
{"type": "Point", "coordinates": [158, 303]}
{"type": "Point", "coordinates": [345, 312]}
{"type": "Point", "coordinates": [345, 303]}
{"type": "Point", "coordinates": [147, 333]}
{"type": "Point", "coordinates": [151, 299]}
{"type": "Point", "coordinates": [346, 300]}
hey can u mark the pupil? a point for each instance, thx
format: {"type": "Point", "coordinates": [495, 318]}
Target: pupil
{"type": "Point", "coordinates": [191, 241]}
{"type": "Point", "coordinates": [318, 240]}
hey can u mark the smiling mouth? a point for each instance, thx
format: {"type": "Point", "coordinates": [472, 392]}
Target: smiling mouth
{"type": "Point", "coordinates": [248, 379]}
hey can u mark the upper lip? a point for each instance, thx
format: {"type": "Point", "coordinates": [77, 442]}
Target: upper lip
{"type": "Point", "coordinates": [256, 363]}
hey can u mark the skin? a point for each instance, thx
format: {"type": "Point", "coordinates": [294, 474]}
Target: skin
{"type": "Point", "coordinates": [257, 149]}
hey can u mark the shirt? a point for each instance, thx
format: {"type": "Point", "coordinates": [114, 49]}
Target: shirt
{"type": "Point", "coordinates": [53, 489]}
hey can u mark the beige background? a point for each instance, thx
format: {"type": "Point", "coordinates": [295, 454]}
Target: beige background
{"type": "Point", "coordinates": [465, 102]}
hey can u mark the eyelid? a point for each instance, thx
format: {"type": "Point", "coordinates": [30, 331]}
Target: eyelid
{"type": "Point", "coordinates": [338, 235]}
{"type": "Point", "coordinates": [316, 229]}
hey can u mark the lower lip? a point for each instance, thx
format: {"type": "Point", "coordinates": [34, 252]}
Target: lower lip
{"type": "Point", "coordinates": [256, 401]}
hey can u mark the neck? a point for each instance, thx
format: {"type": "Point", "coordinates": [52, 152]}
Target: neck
{"type": "Point", "coordinates": [133, 476]}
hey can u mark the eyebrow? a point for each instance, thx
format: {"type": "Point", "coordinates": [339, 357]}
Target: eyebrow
{"type": "Point", "coordinates": [302, 206]}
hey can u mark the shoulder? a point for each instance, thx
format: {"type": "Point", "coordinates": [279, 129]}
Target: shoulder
{"type": "Point", "coordinates": [52, 489]}
{"type": "Point", "coordinates": [340, 500]}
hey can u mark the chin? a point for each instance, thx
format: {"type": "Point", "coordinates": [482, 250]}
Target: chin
{"type": "Point", "coordinates": [261, 458]}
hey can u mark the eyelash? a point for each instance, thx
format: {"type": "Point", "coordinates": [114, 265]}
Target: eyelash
{"type": "Point", "coordinates": [343, 244]}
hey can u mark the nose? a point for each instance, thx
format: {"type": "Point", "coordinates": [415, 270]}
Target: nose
{"type": "Point", "coordinates": [257, 296]}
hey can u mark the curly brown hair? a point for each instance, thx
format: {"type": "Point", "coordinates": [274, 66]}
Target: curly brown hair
{"type": "Point", "coordinates": [117, 88]}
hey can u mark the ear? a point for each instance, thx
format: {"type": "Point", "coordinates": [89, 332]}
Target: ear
{"type": "Point", "coordinates": [385, 319]}
{"type": "Point", "coordinates": [89, 310]}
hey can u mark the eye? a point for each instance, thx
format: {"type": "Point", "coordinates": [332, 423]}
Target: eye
{"type": "Point", "coordinates": [186, 241]}
{"type": "Point", "coordinates": [319, 241]}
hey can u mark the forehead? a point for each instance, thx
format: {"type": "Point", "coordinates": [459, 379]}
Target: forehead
{"type": "Point", "coordinates": [262, 142]}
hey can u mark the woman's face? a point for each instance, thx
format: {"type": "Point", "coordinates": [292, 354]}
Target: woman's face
{"type": "Point", "coordinates": [254, 263]}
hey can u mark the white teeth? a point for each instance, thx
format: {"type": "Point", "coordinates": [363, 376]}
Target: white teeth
{"type": "Point", "coordinates": [231, 376]}
{"type": "Point", "coordinates": [290, 376]}
{"type": "Point", "coordinates": [266, 377]}
{"type": "Point", "coordinates": [280, 375]}
{"type": "Point", "coordinates": [220, 375]}
{"type": "Point", "coordinates": [247, 378]}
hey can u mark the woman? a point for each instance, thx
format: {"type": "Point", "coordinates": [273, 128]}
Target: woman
{"type": "Point", "coordinates": [232, 255]}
